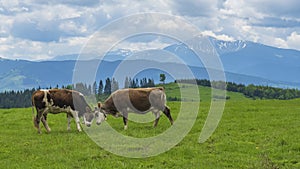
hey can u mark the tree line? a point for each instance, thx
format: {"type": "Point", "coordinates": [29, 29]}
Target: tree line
{"type": "Point", "coordinates": [101, 90]}
{"type": "Point", "coordinates": [251, 91]}
{"type": "Point", "coordinates": [13, 99]}
{"type": "Point", "coordinates": [110, 85]}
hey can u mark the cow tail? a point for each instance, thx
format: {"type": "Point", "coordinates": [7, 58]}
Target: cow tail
{"type": "Point", "coordinates": [32, 104]}
{"type": "Point", "coordinates": [164, 98]}
{"type": "Point", "coordinates": [32, 108]}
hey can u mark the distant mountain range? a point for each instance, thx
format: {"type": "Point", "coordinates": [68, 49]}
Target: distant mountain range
{"type": "Point", "coordinates": [244, 62]}
{"type": "Point", "coordinates": [249, 58]}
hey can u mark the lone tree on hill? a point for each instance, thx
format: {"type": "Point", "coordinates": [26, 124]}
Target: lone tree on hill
{"type": "Point", "coordinates": [162, 78]}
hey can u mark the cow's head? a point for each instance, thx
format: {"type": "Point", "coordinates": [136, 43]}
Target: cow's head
{"type": "Point", "coordinates": [99, 116]}
{"type": "Point", "coordinates": [103, 110]}
{"type": "Point", "coordinates": [90, 115]}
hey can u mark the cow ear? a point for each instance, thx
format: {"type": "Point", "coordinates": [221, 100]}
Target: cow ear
{"type": "Point", "coordinates": [99, 104]}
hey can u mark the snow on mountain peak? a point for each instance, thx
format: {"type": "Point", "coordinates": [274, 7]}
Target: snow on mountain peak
{"type": "Point", "coordinates": [228, 46]}
{"type": "Point", "coordinates": [123, 52]}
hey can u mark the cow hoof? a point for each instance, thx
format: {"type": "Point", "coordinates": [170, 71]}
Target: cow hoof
{"type": "Point", "coordinates": [125, 127]}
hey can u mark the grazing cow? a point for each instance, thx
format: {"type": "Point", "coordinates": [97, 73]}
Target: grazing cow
{"type": "Point", "coordinates": [62, 100]}
{"type": "Point", "coordinates": [138, 100]}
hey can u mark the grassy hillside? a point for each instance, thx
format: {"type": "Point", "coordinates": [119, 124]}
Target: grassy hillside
{"type": "Point", "coordinates": [251, 134]}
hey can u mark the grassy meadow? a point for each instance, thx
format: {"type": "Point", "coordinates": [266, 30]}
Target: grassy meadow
{"type": "Point", "coordinates": [251, 134]}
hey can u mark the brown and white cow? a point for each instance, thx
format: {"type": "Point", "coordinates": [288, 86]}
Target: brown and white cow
{"type": "Point", "coordinates": [62, 100]}
{"type": "Point", "coordinates": [138, 100]}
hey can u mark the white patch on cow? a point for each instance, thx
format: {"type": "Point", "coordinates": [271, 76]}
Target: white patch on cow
{"type": "Point", "coordinates": [57, 109]}
{"type": "Point", "coordinates": [69, 122]}
{"type": "Point", "coordinates": [100, 117]}
{"type": "Point", "coordinates": [43, 90]}
{"type": "Point", "coordinates": [84, 120]}
{"type": "Point", "coordinates": [45, 100]}
{"type": "Point", "coordinates": [156, 113]}
{"type": "Point", "coordinates": [118, 114]}
{"type": "Point", "coordinates": [45, 97]}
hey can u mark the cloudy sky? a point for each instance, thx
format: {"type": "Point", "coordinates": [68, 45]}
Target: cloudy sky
{"type": "Point", "coordinates": [37, 30]}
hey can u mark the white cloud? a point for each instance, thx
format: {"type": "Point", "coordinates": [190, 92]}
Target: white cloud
{"type": "Point", "coordinates": [138, 46]}
{"type": "Point", "coordinates": [22, 49]}
{"type": "Point", "coordinates": [72, 28]}
{"type": "Point", "coordinates": [32, 29]}
{"type": "Point", "coordinates": [263, 21]}
{"type": "Point", "coordinates": [195, 8]}
{"type": "Point", "coordinates": [280, 43]}
{"type": "Point", "coordinates": [293, 40]}
{"type": "Point", "coordinates": [287, 8]}
{"type": "Point", "coordinates": [240, 9]}
{"type": "Point", "coordinates": [220, 37]}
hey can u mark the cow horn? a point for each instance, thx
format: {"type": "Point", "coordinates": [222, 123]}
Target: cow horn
{"type": "Point", "coordinates": [99, 105]}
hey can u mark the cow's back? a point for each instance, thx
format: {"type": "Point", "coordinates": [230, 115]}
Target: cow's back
{"type": "Point", "coordinates": [61, 98]}
{"type": "Point", "coordinates": [140, 99]}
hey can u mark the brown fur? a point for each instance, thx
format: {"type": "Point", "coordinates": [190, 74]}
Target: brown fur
{"type": "Point", "coordinates": [57, 98]}
{"type": "Point", "coordinates": [138, 100]}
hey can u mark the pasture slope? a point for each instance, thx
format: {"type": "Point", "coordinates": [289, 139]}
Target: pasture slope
{"type": "Point", "coordinates": [251, 134]}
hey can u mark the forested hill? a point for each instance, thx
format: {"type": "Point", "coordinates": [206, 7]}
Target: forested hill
{"type": "Point", "coordinates": [101, 90]}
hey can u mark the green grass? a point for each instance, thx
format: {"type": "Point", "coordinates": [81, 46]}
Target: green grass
{"type": "Point", "coordinates": [251, 134]}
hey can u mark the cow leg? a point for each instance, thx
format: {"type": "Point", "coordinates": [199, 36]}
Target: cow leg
{"type": "Point", "coordinates": [45, 123]}
{"type": "Point", "coordinates": [37, 121]}
{"type": "Point", "coordinates": [125, 120]}
{"type": "Point", "coordinates": [69, 122]}
{"type": "Point", "coordinates": [157, 116]}
{"type": "Point", "coordinates": [75, 115]}
{"type": "Point", "coordinates": [38, 118]}
{"type": "Point", "coordinates": [84, 119]}
{"type": "Point", "coordinates": [168, 114]}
